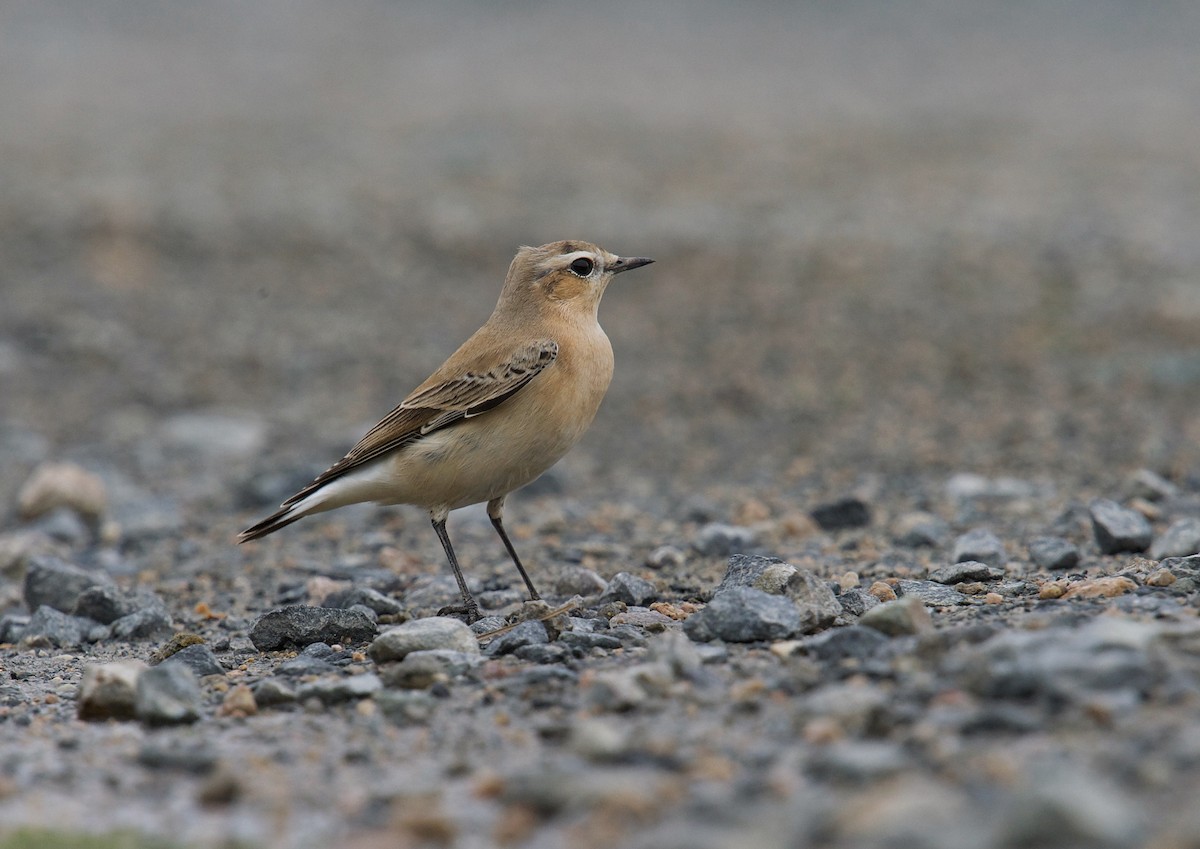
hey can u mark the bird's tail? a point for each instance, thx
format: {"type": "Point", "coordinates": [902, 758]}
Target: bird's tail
{"type": "Point", "coordinates": [279, 519]}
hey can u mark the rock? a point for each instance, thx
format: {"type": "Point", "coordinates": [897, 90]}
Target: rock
{"type": "Point", "coordinates": [920, 530]}
{"type": "Point", "coordinates": [1054, 553]}
{"type": "Point", "coordinates": [1151, 486]}
{"type": "Point", "coordinates": [299, 626]}
{"type": "Point", "coordinates": [857, 601]}
{"type": "Point", "coordinates": [107, 603]}
{"type": "Point", "coordinates": [376, 601]}
{"type": "Point", "coordinates": [168, 694]}
{"type": "Point", "coordinates": [63, 525]}
{"type": "Point", "coordinates": [544, 653]}
{"type": "Point", "coordinates": [896, 618]}
{"type": "Point", "coordinates": [313, 659]}
{"type": "Point", "coordinates": [54, 485]}
{"type": "Point", "coordinates": [406, 707]}
{"type": "Point", "coordinates": [147, 624]}
{"type": "Point", "coordinates": [55, 583]}
{"type": "Point", "coordinates": [52, 627]}
{"type": "Point", "coordinates": [645, 618]}
{"type": "Point", "coordinates": [615, 690]}
{"type": "Point", "coordinates": [666, 557]}
{"type": "Point", "coordinates": [578, 580]}
{"type": "Point", "coordinates": [768, 574]}
{"type": "Point", "coordinates": [435, 632]}
{"type": "Point", "coordinates": [1108, 586]}
{"type": "Point", "coordinates": [584, 640]}
{"type": "Point", "coordinates": [109, 690]}
{"type": "Point", "coordinates": [717, 539]}
{"type": "Point", "coordinates": [332, 691]}
{"type": "Point", "coordinates": [1181, 539]}
{"type": "Point", "coordinates": [198, 658]}
{"type": "Point", "coordinates": [629, 589]}
{"type": "Point", "coordinates": [853, 642]}
{"type": "Point", "coordinates": [744, 615]}
{"type": "Point", "coordinates": [882, 591]}
{"type": "Point", "coordinates": [421, 669]}
{"type": "Point", "coordinates": [238, 702]}
{"type": "Point", "coordinates": [272, 692]}
{"type": "Point", "coordinates": [931, 593]}
{"type": "Point", "coordinates": [967, 570]}
{"type": "Point", "coordinates": [816, 602]}
{"type": "Point", "coordinates": [1119, 529]}
{"type": "Point", "coordinates": [858, 761]}
{"type": "Point", "coordinates": [1063, 804]}
{"type": "Point", "coordinates": [849, 512]}
{"type": "Point", "coordinates": [980, 545]}
{"type": "Point", "coordinates": [525, 634]}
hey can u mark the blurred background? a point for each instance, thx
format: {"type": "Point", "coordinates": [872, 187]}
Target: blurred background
{"type": "Point", "coordinates": [921, 237]}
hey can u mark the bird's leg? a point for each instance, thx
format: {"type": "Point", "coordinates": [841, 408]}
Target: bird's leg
{"type": "Point", "coordinates": [494, 509]}
{"type": "Point", "coordinates": [468, 606]}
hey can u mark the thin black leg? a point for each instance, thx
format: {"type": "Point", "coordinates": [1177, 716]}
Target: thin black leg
{"type": "Point", "coordinates": [512, 552]}
{"type": "Point", "coordinates": [469, 607]}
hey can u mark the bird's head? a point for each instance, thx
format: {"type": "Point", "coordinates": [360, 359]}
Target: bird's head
{"type": "Point", "coordinates": [568, 275]}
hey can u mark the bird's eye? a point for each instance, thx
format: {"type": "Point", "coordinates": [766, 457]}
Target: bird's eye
{"type": "Point", "coordinates": [582, 266]}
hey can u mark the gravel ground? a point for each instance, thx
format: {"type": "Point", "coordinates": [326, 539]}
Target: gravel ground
{"type": "Point", "coordinates": [886, 535]}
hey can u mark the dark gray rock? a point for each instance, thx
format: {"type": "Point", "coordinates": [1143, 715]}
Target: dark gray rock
{"type": "Point", "coordinates": [421, 669]}
{"type": "Point", "coordinates": [968, 570]}
{"type": "Point", "coordinates": [107, 603]}
{"type": "Point", "coordinates": [56, 628]}
{"type": "Point", "coordinates": [299, 626]}
{"type": "Point", "coordinates": [272, 692]}
{"type": "Point", "coordinates": [717, 539]}
{"type": "Point", "coordinates": [109, 690]}
{"type": "Point", "coordinates": [744, 615]}
{"type": "Point", "coordinates": [407, 707]}
{"type": "Point", "coordinates": [199, 658]}
{"type": "Point", "coordinates": [578, 580]}
{"type": "Point", "coordinates": [146, 624]}
{"type": "Point", "coordinates": [838, 644]}
{"type": "Point", "coordinates": [629, 589]}
{"type": "Point", "coordinates": [856, 601]}
{"type": "Point", "coordinates": [848, 512]}
{"type": "Point", "coordinates": [815, 601]}
{"type": "Point", "coordinates": [55, 583]}
{"type": "Point", "coordinates": [906, 615]}
{"type": "Point", "coordinates": [197, 759]}
{"type": "Point", "coordinates": [543, 653]}
{"type": "Point", "coordinates": [584, 640]}
{"type": "Point", "coordinates": [980, 545]}
{"type": "Point", "coordinates": [1059, 803]}
{"type": "Point", "coordinates": [1181, 539]}
{"type": "Point", "coordinates": [1054, 553]}
{"type": "Point", "coordinates": [11, 627]}
{"type": "Point", "coordinates": [1119, 529]}
{"type": "Point", "coordinates": [65, 525]}
{"type": "Point", "coordinates": [931, 593]}
{"type": "Point", "coordinates": [434, 632]}
{"type": "Point", "coordinates": [381, 604]}
{"type": "Point", "coordinates": [168, 694]}
{"type": "Point", "coordinates": [525, 634]}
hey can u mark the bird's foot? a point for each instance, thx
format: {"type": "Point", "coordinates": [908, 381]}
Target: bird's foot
{"type": "Point", "coordinates": [468, 611]}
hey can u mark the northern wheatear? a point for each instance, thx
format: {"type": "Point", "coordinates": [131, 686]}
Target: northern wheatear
{"type": "Point", "coordinates": [505, 407]}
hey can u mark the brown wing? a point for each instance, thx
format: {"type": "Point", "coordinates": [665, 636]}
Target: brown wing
{"type": "Point", "coordinates": [440, 405]}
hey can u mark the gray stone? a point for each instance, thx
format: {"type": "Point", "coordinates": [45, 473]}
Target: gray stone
{"type": "Point", "coordinates": [272, 692]}
{"type": "Point", "coordinates": [744, 615]}
{"type": "Point", "coordinates": [55, 583]}
{"type": "Point", "coordinates": [65, 525]}
{"type": "Point", "coordinates": [12, 625]}
{"type": "Point", "coordinates": [168, 694]}
{"type": "Point", "coordinates": [849, 512]}
{"type": "Point", "coordinates": [525, 634]}
{"type": "Point", "coordinates": [56, 628]}
{"type": "Point", "coordinates": [900, 617]}
{"type": "Point", "coordinates": [1181, 539]}
{"type": "Point", "coordinates": [585, 640]}
{"type": "Point", "coordinates": [1064, 804]}
{"type": "Point", "coordinates": [434, 632]}
{"type": "Point", "coordinates": [838, 644]}
{"type": "Point", "coordinates": [145, 624]}
{"type": "Point", "coordinates": [1119, 529]}
{"type": "Point", "coordinates": [544, 653]}
{"type": "Point", "coordinates": [768, 574]}
{"type": "Point", "coordinates": [816, 602]}
{"type": "Point", "coordinates": [1053, 553]}
{"type": "Point", "coordinates": [858, 761]}
{"type": "Point", "coordinates": [299, 626]}
{"type": "Point", "coordinates": [629, 589]}
{"type": "Point", "coordinates": [332, 691]}
{"type": "Point", "coordinates": [109, 690]}
{"type": "Point", "coordinates": [980, 545]}
{"type": "Point", "coordinates": [199, 658]}
{"type": "Point", "coordinates": [107, 603]}
{"type": "Point", "coordinates": [487, 624]}
{"type": "Point", "coordinates": [967, 570]}
{"type": "Point", "coordinates": [578, 580]}
{"type": "Point", "coordinates": [931, 593]}
{"type": "Point", "coordinates": [422, 669]}
{"type": "Point", "coordinates": [717, 539]}
{"type": "Point", "coordinates": [920, 530]}
{"type": "Point", "coordinates": [406, 707]}
{"type": "Point", "coordinates": [379, 603]}
{"type": "Point", "coordinates": [857, 601]}
{"type": "Point", "coordinates": [1151, 486]}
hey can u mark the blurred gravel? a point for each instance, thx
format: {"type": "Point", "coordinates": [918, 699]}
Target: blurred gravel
{"type": "Point", "coordinates": [885, 536]}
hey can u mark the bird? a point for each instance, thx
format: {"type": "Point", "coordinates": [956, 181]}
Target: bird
{"type": "Point", "coordinates": [504, 408]}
